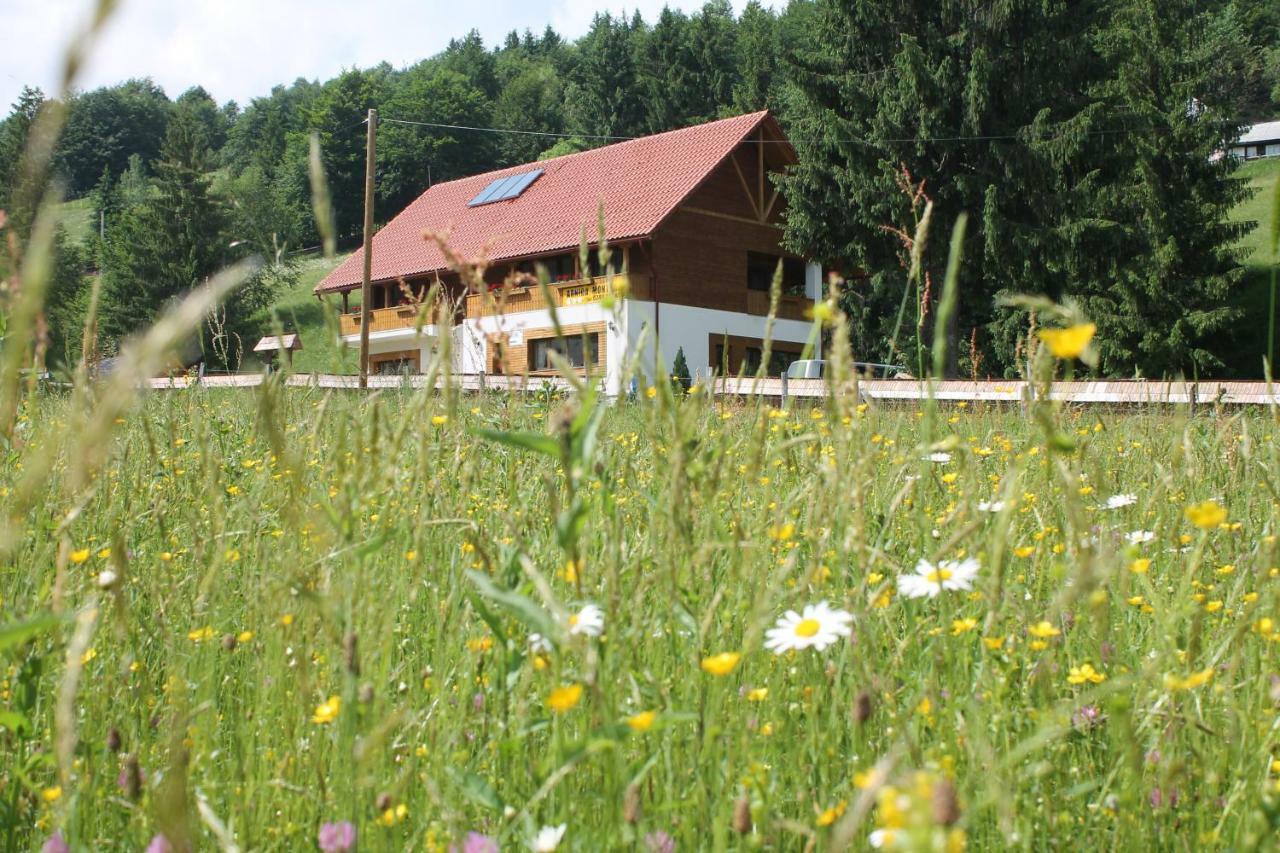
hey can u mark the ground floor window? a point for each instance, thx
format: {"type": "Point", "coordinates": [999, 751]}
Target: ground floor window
{"type": "Point", "coordinates": [732, 354]}
{"type": "Point", "coordinates": [394, 363]}
{"type": "Point", "coordinates": [578, 350]}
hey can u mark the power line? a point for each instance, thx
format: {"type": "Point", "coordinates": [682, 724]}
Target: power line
{"type": "Point", "coordinates": [999, 137]}
{"type": "Point", "coordinates": [436, 126]}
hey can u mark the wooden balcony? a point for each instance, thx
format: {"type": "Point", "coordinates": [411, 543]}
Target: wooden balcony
{"type": "Point", "coordinates": [789, 307]}
{"type": "Point", "coordinates": [380, 320]}
{"type": "Point", "coordinates": [562, 295]}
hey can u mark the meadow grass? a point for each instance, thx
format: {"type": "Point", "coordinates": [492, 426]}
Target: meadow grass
{"type": "Point", "coordinates": [278, 609]}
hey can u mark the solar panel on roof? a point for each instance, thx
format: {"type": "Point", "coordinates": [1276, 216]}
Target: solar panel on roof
{"type": "Point", "coordinates": [523, 184]}
{"type": "Point", "coordinates": [504, 188]}
{"type": "Point", "coordinates": [490, 192]}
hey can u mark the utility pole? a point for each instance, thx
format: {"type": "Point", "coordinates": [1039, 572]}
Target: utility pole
{"type": "Point", "coordinates": [365, 297]}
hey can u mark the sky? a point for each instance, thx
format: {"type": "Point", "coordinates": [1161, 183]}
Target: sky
{"type": "Point", "coordinates": [239, 49]}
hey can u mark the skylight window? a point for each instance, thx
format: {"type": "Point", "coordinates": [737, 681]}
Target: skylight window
{"type": "Point", "coordinates": [508, 187]}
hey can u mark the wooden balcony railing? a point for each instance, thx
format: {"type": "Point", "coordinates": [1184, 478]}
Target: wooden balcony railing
{"type": "Point", "coordinates": [789, 307]}
{"type": "Point", "coordinates": [562, 295]}
{"type": "Point", "coordinates": [380, 319]}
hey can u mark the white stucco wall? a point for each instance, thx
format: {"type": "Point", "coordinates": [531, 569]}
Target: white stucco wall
{"type": "Point", "coordinates": [474, 334]}
{"type": "Point", "coordinates": [691, 328]}
{"type": "Point", "coordinates": [396, 340]}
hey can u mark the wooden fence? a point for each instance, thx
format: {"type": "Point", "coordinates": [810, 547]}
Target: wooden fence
{"type": "Point", "coordinates": [1117, 392]}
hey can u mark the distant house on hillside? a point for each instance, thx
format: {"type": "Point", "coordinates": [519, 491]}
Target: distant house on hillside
{"type": "Point", "coordinates": [1261, 140]}
{"type": "Point", "coordinates": [694, 221]}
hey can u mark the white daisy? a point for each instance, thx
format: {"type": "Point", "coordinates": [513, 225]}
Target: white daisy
{"type": "Point", "coordinates": [929, 580]}
{"type": "Point", "coordinates": [990, 506]}
{"type": "Point", "coordinates": [589, 621]}
{"type": "Point", "coordinates": [818, 627]}
{"type": "Point", "coordinates": [548, 838]}
{"type": "Point", "coordinates": [939, 457]}
{"type": "Point", "coordinates": [1118, 501]}
{"type": "Point", "coordinates": [883, 839]}
{"type": "Point", "coordinates": [1137, 537]}
{"type": "Point", "coordinates": [539, 644]}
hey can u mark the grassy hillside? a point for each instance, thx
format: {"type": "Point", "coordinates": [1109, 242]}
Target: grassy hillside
{"type": "Point", "coordinates": [1250, 342]}
{"type": "Point", "coordinates": [299, 311]}
{"type": "Point", "coordinates": [78, 218]}
{"type": "Point", "coordinates": [1262, 176]}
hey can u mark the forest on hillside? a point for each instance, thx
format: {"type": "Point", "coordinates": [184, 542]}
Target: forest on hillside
{"type": "Point", "coordinates": [1077, 136]}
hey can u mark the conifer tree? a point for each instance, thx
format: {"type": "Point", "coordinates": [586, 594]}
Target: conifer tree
{"type": "Point", "coordinates": [168, 243]}
{"type": "Point", "coordinates": [1069, 153]}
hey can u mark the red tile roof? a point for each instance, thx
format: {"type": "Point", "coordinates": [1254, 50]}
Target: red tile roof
{"type": "Point", "coordinates": [640, 182]}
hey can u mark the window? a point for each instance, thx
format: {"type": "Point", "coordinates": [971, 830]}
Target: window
{"type": "Point", "coordinates": [780, 361]}
{"type": "Point", "coordinates": [397, 366]}
{"type": "Point", "coordinates": [558, 267]}
{"type": "Point", "coordinates": [615, 263]}
{"type": "Point", "coordinates": [578, 350]}
{"type": "Point", "coordinates": [761, 268]}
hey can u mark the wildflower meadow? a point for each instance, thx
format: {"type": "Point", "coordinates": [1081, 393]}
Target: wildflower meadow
{"type": "Point", "coordinates": [280, 619]}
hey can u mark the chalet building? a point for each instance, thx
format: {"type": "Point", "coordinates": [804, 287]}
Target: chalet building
{"type": "Point", "coordinates": [1261, 140]}
{"type": "Point", "coordinates": [694, 222]}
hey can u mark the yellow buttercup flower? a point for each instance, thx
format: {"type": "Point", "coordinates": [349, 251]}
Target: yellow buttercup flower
{"type": "Point", "coordinates": [721, 664]}
{"type": "Point", "coordinates": [80, 556]}
{"type": "Point", "coordinates": [1085, 673]}
{"type": "Point", "coordinates": [642, 721]}
{"type": "Point", "coordinates": [782, 533]}
{"type": "Point", "coordinates": [1070, 342]}
{"type": "Point", "coordinates": [439, 420]}
{"type": "Point", "coordinates": [832, 814]}
{"type": "Point", "coordinates": [1205, 515]}
{"type": "Point", "coordinates": [1190, 682]}
{"type": "Point", "coordinates": [565, 699]}
{"type": "Point", "coordinates": [51, 795]}
{"type": "Point", "coordinates": [1043, 630]}
{"type": "Point", "coordinates": [327, 711]}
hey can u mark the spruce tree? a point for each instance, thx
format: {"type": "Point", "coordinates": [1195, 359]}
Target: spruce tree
{"type": "Point", "coordinates": [680, 378]}
{"type": "Point", "coordinates": [168, 243]}
{"type": "Point", "coordinates": [602, 98]}
{"type": "Point", "coordinates": [1164, 302]}
{"type": "Point", "coordinates": [16, 199]}
{"type": "Point", "coordinates": [1064, 139]}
